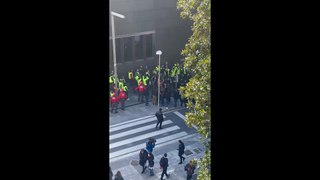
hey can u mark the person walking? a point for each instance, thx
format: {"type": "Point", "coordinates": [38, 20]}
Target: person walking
{"type": "Point", "coordinates": [181, 151]}
{"type": "Point", "coordinates": [123, 97]}
{"type": "Point", "coordinates": [159, 116]}
{"type": "Point", "coordinates": [118, 176]}
{"type": "Point", "coordinates": [164, 163]}
{"type": "Point", "coordinates": [143, 159]}
{"type": "Point", "coordinates": [151, 163]}
{"type": "Point", "coordinates": [150, 145]}
{"type": "Point", "coordinates": [190, 167]}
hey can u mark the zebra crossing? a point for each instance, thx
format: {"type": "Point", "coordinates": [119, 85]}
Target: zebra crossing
{"type": "Point", "coordinates": [129, 137]}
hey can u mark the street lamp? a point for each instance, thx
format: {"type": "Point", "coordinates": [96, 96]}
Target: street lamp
{"type": "Point", "coordinates": [159, 53]}
{"type": "Point", "coordinates": [114, 44]}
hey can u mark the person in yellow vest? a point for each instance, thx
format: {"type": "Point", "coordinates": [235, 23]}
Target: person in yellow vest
{"type": "Point", "coordinates": [126, 90]}
{"type": "Point", "coordinates": [130, 78]}
{"type": "Point", "coordinates": [121, 84]}
{"type": "Point", "coordinates": [111, 78]}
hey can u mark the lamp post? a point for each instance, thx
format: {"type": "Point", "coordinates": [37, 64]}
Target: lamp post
{"type": "Point", "coordinates": [114, 44]}
{"type": "Point", "coordinates": [159, 53]}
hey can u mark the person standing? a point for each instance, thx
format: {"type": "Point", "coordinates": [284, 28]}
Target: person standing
{"type": "Point", "coordinates": [164, 163]}
{"type": "Point", "coordinates": [118, 176]}
{"type": "Point", "coordinates": [143, 159]}
{"type": "Point", "coordinates": [190, 167]}
{"type": "Point", "coordinates": [181, 151]}
{"type": "Point", "coordinates": [141, 89]}
{"type": "Point", "coordinates": [114, 103]}
{"type": "Point", "coordinates": [159, 116]}
{"type": "Point", "coordinates": [123, 98]}
{"type": "Point", "coordinates": [151, 163]}
{"type": "Point", "coordinates": [176, 96]}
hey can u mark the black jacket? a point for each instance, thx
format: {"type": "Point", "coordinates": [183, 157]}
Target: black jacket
{"type": "Point", "coordinates": [143, 157]}
{"type": "Point", "coordinates": [159, 116]}
{"type": "Point", "coordinates": [181, 149]}
{"type": "Point", "coordinates": [164, 162]}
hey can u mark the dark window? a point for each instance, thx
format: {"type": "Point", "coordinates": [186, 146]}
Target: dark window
{"type": "Point", "coordinates": [138, 44]}
{"type": "Point", "coordinates": [149, 45]}
{"type": "Point", "coordinates": [118, 51]}
{"type": "Point", "coordinates": [128, 49]}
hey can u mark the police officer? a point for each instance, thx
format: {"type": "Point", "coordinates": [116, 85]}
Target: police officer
{"type": "Point", "coordinates": [181, 151]}
{"type": "Point", "coordinates": [159, 116]}
{"type": "Point", "coordinates": [164, 163]}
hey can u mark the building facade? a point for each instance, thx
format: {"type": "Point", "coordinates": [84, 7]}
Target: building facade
{"type": "Point", "coordinates": [148, 26]}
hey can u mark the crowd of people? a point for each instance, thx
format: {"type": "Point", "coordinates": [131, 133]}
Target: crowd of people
{"type": "Point", "coordinates": [146, 156]}
{"type": "Point", "coordinates": [144, 82]}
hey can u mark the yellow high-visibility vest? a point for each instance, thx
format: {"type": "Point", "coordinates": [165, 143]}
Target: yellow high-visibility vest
{"type": "Point", "coordinates": [130, 75]}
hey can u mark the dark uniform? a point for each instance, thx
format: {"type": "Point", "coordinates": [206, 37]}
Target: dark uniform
{"type": "Point", "coordinates": [181, 151]}
{"type": "Point", "coordinates": [159, 116]}
{"type": "Point", "coordinates": [164, 163]}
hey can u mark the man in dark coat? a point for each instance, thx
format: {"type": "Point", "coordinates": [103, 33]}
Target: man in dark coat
{"type": "Point", "coordinates": [143, 159]}
{"type": "Point", "coordinates": [181, 151]}
{"type": "Point", "coordinates": [159, 116]}
{"type": "Point", "coordinates": [164, 165]}
{"type": "Point", "coordinates": [176, 96]}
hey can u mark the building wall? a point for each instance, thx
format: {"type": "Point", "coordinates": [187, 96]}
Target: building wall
{"type": "Point", "coordinates": [161, 16]}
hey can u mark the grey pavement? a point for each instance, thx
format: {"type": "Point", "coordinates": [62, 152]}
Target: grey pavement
{"type": "Point", "coordinates": [128, 164]}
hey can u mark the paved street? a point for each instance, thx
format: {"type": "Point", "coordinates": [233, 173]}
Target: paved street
{"type": "Point", "coordinates": [130, 129]}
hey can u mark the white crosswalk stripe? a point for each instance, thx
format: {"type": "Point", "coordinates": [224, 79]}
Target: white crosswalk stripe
{"type": "Point", "coordinates": [133, 131]}
{"type": "Point", "coordinates": [122, 146]}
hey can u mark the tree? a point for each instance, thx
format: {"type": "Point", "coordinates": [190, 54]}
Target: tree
{"type": "Point", "coordinates": [197, 59]}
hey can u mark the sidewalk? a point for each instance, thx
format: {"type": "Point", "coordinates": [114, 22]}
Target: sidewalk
{"type": "Point", "coordinates": [130, 168]}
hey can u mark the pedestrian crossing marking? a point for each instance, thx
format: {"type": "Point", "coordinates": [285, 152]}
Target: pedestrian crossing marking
{"type": "Point", "coordinates": [137, 130]}
{"type": "Point", "coordinates": [184, 118]}
{"type": "Point", "coordinates": [136, 148]}
{"type": "Point", "coordinates": [127, 125]}
{"type": "Point", "coordinates": [144, 136]}
{"type": "Point", "coordinates": [133, 120]}
{"type": "Point", "coordinates": [124, 154]}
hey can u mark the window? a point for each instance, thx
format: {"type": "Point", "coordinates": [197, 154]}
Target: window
{"type": "Point", "coordinates": [127, 49]}
{"type": "Point", "coordinates": [149, 45]}
{"type": "Point", "coordinates": [134, 47]}
{"type": "Point", "coordinates": [138, 45]}
{"type": "Point", "coordinates": [118, 51]}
